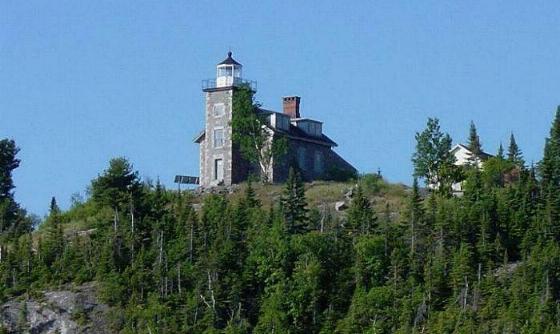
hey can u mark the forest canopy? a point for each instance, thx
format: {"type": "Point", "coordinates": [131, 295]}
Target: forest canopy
{"type": "Point", "coordinates": [430, 262]}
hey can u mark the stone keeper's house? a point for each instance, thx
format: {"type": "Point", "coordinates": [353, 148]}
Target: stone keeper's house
{"type": "Point", "coordinates": [221, 162]}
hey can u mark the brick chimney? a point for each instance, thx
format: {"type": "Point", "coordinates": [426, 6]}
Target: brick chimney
{"type": "Point", "coordinates": [291, 106]}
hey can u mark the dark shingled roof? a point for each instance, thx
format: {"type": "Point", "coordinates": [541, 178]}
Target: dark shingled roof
{"type": "Point", "coordinates": [297, 133]}
{"type": "Point", "coordinates": [229, 60]}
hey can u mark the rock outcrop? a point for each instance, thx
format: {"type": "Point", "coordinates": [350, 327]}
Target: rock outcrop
{"type": "Point", "coordinates": [72, 311]}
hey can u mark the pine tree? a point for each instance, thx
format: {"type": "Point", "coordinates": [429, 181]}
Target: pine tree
{"type": "Point", "coordinates": [500, 154]}
{"type": "Point", "coordinates": [10, 216]}
{"type": "Point", "coordinates": [415, 228]}
{"type": "Point", "coordinates": [250, 196]}
{"type": "Point", "coordinates": [53, 243]}
{"type": "Point", "coordinates": [53, 208]}
{"type": "Point", "coordinates": [361, 216]}
{"type": "Point", "coordinates": [116, 188]}
{"type": "Point", "coordinates": [549, 168]}
{"type": "Point", "coordinates": [294, 204]}
{"type": "Point", "coordinates": [474, 144]}
{"type": "Point", "coordinates": [514, 153]}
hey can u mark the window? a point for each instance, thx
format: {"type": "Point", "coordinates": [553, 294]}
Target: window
{"type": "Point", "coordinates": [225, 71]}
{"type": "Point", "coordinates": [219, 109]}
{"type": "Point", "coordinates": [218, 169]}
{"type": "Point", "coordinates": [218, 138]}
{"type": "Point", "coordinates": [301, 157]}
{"type": "Point", "coordinates": [318, 162]}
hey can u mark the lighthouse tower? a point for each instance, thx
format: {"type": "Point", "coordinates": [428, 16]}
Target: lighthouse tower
{"type": "Point", "coordinates": [218, 158]}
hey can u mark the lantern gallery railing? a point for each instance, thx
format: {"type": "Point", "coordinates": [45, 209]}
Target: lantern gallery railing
{"type": "Point", "coordinates": [211, 84]}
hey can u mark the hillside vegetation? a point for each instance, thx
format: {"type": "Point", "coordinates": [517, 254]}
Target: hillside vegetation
{"type": "Point", "coordinates": [281, 259]}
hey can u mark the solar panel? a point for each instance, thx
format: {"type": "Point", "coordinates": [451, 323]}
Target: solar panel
{"type": "Point", "coordinates": [182, 179]}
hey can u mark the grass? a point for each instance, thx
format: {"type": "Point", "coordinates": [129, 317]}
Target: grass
{"type": "Point", "coordinates": [323, 194]}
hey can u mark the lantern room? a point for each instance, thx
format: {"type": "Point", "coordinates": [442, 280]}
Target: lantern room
{"type": "Point", "coordinates": [228, 72]}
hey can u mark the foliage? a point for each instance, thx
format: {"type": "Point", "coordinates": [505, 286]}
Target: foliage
{"type": "Point", "coordinates": [514, 154]}
{"type": "Point", "coordinates": [433, 160]}
{"type": "Point", "coordinates": [488, 261]}
{"type": "Point", "coordinates": [12, 222]}
{"type": "Point", "coordinates": [474, 144]}
{"type": "Point", "coordinates": [337, 174]}
{"type": "Point", "coordinates": [252, 135]}
{"type": "Point", "coordinates": [294, 205]}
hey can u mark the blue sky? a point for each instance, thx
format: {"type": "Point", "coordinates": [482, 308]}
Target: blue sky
{"type": "Point", "coordinates": [84, 81]}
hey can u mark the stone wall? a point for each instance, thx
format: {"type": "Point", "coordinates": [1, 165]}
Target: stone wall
{"type": "Point", "coordinates": [208, 153]}
{"type": "Point", "coordinates": [303, 155]}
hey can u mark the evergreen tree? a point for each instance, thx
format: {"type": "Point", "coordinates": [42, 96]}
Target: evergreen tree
{"type": "Point", "coordinates": [416, 228]}
{"type": "Point", "coordinates": [250, 196]}
{"type": "Point", "coordinates": [549, 168]}
{"type": "Point", "coordinates": [116, 187]}
{"type": "Point", "coordinates": [500, 154]}
{"type": "Point", "coordinates": [53, 208]}
{"type": "Point", "coordinates": [515, 155]}
{"type": "Point", "coordinates": [474, 144]}
{"type": "Point", "coordinates": [11, 219]}
{"type": "Point", "coordinates": [53, 242]}
{"type": "Point", "coordinates": [361, 216]}
{"type": "Point", "coordinates": [294, 205]}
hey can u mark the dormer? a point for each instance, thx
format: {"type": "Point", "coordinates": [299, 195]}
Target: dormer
{"type": "Point", "coordinates": [310, 126]}
{"type": "Point", "coordinates": [228, 72]}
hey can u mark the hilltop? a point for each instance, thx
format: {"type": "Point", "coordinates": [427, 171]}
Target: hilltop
{"type": "Point", "coordinates": [359, 256]}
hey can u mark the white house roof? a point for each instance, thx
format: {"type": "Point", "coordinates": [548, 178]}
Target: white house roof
{"type": "Point", "coordinates": [483, 155]}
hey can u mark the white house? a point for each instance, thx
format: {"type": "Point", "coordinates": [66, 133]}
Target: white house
{"type": "Point", "coordinates": [463, 157]}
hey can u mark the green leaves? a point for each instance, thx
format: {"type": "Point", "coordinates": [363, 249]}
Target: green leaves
{"type": "Point", "coordinates": [433, 160]}
{"type": "Point", "coordinates": [252, 136]}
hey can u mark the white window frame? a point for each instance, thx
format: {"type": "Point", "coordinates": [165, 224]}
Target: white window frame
{"type": "Point", "coordinates": [218, 171]}
{"type": "Point", "coordinates": [214, 142]}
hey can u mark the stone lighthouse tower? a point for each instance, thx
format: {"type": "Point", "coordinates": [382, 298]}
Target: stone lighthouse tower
{"type": "Point", "coordinates": [218, 157]}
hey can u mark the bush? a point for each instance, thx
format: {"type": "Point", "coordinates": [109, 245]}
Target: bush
{"type": "Point", "coordinates": [339, 175]}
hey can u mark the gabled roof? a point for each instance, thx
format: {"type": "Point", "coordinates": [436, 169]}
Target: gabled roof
{"type": "Point", "coordinates": [296, 133]}
{"type": "Point", "coordinates": [229, 60]}
{"type": "Point", "coordinates": [482, 155]}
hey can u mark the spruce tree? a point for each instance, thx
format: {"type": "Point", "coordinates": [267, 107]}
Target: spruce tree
{"type": "Point", "coordinates": [415, 227]}
{"type": "Point", "coordinates": [474, 144]}
{"type": "Point", "coordinates": [250, 196]}
{"type": "Point", "coordinates": [53, 208]}
{"type": "Point", "coordinates": [500, 154]}
{"type": "Point", "coordinates": [549, 168]}
{"type": "Point", "coordinates": [361, 216]}
{"type": "Point", "coordinates": [514, 153]}
{"type": "Point", "coordinates": [294, 204]}
{"type": "Point", "coordinates": [53, 244]}
{"type": "Point", "coordinates": [9, 209]}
